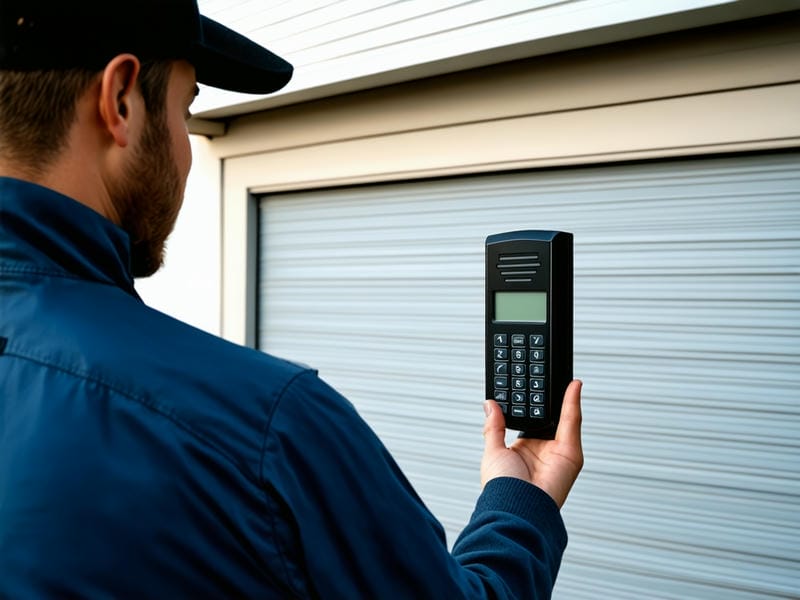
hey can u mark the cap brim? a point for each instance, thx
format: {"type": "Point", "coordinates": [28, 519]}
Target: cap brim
{"type": "Point", "coordinates": [228, 60]}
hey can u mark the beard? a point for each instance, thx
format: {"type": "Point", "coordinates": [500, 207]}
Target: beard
{"type": "Point", "coordinates": [149, 198]}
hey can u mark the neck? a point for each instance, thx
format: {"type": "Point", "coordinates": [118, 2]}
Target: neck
{"type": "Point", "coordinates": [73, 178]}
{"type": "Point", "coordinates": [10, 168]}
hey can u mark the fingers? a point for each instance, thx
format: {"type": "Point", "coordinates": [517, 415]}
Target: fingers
{"type": "Point", "coordinates": [494, 429]}
{"type": "Point", "coordinates": [569, 424]}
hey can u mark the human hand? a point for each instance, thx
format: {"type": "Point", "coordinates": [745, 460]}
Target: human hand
{"type": "Point", "coordinates": [552, 465]}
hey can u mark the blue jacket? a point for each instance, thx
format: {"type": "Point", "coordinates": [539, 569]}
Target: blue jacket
{"type": "Point", "coordinates": [143, 458]}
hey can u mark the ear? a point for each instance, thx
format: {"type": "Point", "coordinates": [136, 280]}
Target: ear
{"type": "Point", "coordinates": [116, 97]}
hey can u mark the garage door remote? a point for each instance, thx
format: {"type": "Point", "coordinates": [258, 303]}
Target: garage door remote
{"type": "Point", "coordinates": [529, 327]}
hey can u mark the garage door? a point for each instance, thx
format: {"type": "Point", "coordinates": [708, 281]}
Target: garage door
{"type": "Point", "coordinates": [687, 336]}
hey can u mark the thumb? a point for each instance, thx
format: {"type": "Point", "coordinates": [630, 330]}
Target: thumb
{"type": "Point", "coordinates": [494, 429]}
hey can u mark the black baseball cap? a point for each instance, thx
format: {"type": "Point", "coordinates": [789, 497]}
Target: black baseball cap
{"type": "Point", "coordinates": [60, 34]}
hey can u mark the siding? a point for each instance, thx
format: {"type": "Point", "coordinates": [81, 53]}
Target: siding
{"type": "Point", "coordinates": [356, 44]}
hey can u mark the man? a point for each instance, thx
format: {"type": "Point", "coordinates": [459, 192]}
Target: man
{"type": "Point", "coordinates": [142, 458]}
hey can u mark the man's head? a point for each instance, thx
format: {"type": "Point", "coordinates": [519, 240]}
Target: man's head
{"type": "Point", "coordinates": [93, 102]}
{"type": "Point", "coordinates": [38, 108]}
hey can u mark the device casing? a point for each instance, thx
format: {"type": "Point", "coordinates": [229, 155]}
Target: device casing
{"type": "Point", "coordinates": [532, 261]}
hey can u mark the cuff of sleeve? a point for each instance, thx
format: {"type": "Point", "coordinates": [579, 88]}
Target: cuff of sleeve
{"type": "Point", "coordinates": [508, 494]}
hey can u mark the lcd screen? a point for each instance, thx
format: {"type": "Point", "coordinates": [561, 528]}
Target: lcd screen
{"type": "Point", "coordinates": [525, 307]}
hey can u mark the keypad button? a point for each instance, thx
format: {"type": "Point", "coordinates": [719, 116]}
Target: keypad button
{"type": "Point", "coordinates": [536, 355]}
{"type": "Point", "coordinates": [503, 407]}
{"type": "Point", "coordinates": [537, 412]}
{"type": "Point", "coordinates": [517, 411]}
{"type": "Point", "coordinates": [537, 397]}
{"type": "Point", "coordinates": [501, 382]}
{"type": "Point", "coordinates": [501, 353]}
{"type": "Point", "coordinates": [518, 369]}
{"type": "Point", "coordinates": [500, 368]}
{"type": "Point", "coordinates": [518, 383]}
{"type": "Point", "coordinates": [518, 355]}
{"type": "Point", "coordinates": [501, 396]}
{"type": "Point", "coordinates": [518, 397]}
{"type": "Point", "coordinates": [537, 383]}
{"type": "Point", "coordinates": [537, 369]}
{"type": "Point", "coordinates": [536, 341]}
{"type": "Point", "coordinates": [518, 340]}
{"type": "Point", "coordinates": [501, 339]}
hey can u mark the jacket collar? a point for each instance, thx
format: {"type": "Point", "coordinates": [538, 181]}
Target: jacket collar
{"type": "Point", "coordinates": [46, 232]}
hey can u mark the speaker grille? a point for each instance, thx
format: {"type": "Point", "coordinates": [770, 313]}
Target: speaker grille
{"type": "Point", "coordinates": [518, 267]}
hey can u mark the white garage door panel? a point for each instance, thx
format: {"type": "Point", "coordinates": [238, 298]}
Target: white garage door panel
{"type": "Point", "coordinates": [687, 335]}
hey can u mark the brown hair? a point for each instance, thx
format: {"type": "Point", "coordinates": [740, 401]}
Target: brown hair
{"type": "Point", "coordinates": [37, 108]}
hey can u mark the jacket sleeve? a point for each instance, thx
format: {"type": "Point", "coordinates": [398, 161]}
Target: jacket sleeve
{"type": "Point", "coordinates": [351, 525]}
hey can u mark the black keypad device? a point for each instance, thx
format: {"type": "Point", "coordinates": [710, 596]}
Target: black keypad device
{"type": "Point", "coordinates": [529, 327]}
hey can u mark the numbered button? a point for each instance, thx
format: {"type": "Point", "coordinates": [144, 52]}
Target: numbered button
{"type": "Point", "coordinates": [518, 370]}
{"type": "Point", "coordinates": [537, 397]}
{"type": "Point", "coordinates": [518, 397]}
{"type": "Point", "coordinates": [501, 396]}
{"type": "Point", "coordinates": [537, 341]}
{"type": "Point", "coordinates": [500, 368]}
{"type": "Point", "coordinates": [518, 383]}
{"type": "Point", "coordinates": [501, 382]}
{"type": "Point", "coordinates": [537, 384]}
{"type": "Point", "coordinates": [501, 339]}
{"type": "Point", "coordinates": [537, 369]}
{"type": "Point", "coordinates": [537, 412]}
{"type": "Point", "coordinates": [501, 353]}
{"type": "Point", "coordinates": [536, 355]}
{"type": "Point", "coordinates": [518, 355]}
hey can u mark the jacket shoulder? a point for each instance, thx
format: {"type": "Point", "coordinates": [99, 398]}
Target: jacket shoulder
{"type": "Point", "coordinates": [223, 392]}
